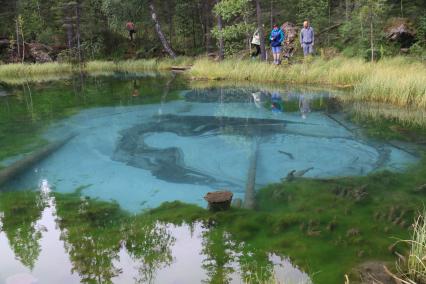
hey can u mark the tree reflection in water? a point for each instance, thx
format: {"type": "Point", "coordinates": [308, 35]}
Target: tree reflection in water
{"type": "Point", "coordinates": [19, 213]}
{"type": "Point", "coordinates": [224, 255]}
{"type": "Point", "coordinates": [96, 234]}
{"type": "Point", "coordinates": [149, 242]}
{"type": "Point", "coordinates": [92, 233]}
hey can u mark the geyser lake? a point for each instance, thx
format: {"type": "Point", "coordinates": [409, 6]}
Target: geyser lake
{"type": "Point", "coordinates": [136, 141]}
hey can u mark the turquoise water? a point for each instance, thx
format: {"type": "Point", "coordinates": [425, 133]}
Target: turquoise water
{"type": "Point", "coordinates": [137, 142]}
{"type": "Point", "coordinates": [142, 156]}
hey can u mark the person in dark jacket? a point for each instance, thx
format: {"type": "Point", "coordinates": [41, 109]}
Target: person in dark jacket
{"type": "Point", "coordinates": [276, 38]}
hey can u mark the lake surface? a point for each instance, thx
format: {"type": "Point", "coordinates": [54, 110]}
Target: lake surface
{"type": "Point", "coordinates": [137, 141]}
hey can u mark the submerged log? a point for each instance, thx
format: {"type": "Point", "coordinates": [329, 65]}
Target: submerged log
{"type": "Point", "coordinates": [22, 165]}
{"type": "Point", "coordinates": [219, 200]}
{"type": "Point", "coordinates": [237, 203]}
{"type": "Point", "coordinates": [249, 198]}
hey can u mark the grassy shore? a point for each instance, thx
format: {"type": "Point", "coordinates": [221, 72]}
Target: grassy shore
{"type": "Point", "coordinates": [21, 73]}
{"type": "Point", "coordinates": [398, 81]}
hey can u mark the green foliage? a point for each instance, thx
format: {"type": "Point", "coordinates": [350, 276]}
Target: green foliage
{"type": "Point", "coordinates": [187, 25]}
{"type": "Point", "coordinates": [239, 26]}
{"type": "Point", "coordinates": [19, 220]}
{"type": "Point", "coordinates": [234, 36]}
{"type": "Point", "coordinates": [229, 9]}
{"type": "Point", "coordinates": [314, 11]}
{"type": "Point", "coordinates": [421, 30]}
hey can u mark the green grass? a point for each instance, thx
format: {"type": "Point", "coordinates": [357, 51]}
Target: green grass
{"type": "Point", "coordinates": [413, 269]}
{"type": "Point", "coordinates": [398, 81]}
{"type": "Point", "coordinates": [21, 73]}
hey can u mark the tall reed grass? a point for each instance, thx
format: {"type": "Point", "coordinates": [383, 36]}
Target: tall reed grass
{"type": "Point", "coordinates": [398, 81]}
{"type": "Point", "coordinates": [413, 270]}
{"type": "Point", "coordinates": [18, 73]}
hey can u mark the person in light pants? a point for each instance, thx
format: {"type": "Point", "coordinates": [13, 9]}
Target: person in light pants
{"type": "Point", "coordinates": [307, 39]}
{"type": "Point", "coordinates": [277, 37]}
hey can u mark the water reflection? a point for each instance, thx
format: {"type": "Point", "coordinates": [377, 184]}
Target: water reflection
{"type": "Point", "coordinates": [19, 223]}
{"type": "Point", "coordinates": [92, 241]}
{"type": "Point", "coordinates": [304, 105]}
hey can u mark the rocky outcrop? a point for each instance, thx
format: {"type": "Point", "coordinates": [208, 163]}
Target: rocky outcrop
{"type": "Point", "coordinates": [33, 52]}
{"type": "Point", "coordinates": [402, 31]}
{"type": "Point", "coordinates": [39, 52]}
{"type": "Point", "coordinates": [291, 39]}
{"type": "Point", "coordinates": [4, 43]}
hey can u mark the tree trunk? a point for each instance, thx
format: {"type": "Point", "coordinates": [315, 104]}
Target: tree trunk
{"type": "Point", "coordinates": [372, 38]}
{"type": "Point", "coordinates": [194, 36]}
{"type": "Point", "coordinates": [17, 36]}
{"type": "Point", "coordinates": [68, 26]}
{"type": "Point", "coordinates": [347, 10]}
{"type": "Point", "coordinates": [329, 21]}
{"type": "Point", "coordinates": [160, 34]}
{"type": "Point", "coordinates": [77, 12]}
{"type": "Point", "coordinates": [221, 44]}
{"type": "Point", "coordinates": [23, 40]}
{"type": "Point", "coordinates": [261, 32]}
{"type": "Point", "coordinates": [170, 11]}
{"type": "Point", "coordinates": [207, 26]}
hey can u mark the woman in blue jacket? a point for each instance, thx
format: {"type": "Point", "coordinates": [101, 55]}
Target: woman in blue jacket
{"type": "Point", "coordinates": [276, 38]}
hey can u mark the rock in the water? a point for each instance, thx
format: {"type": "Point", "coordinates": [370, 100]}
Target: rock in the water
{"type": "Point", "coordinates": [219, 200]}
{"type": "Point", "coordinates": [301, 173]}
{"type": "Point", "coordinates": [296, 174]}
{"type": "Point", "coordinates": [401, 30]}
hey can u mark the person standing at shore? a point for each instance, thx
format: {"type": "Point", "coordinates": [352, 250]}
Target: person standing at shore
{"type": "Point", "coordinates": [255, 42]}
{"type": "Point", "coordinates": [307, 39]}
{"type": "Point", "coordinates": [277, 37]}
{"type": "Point", "coordinates": [131, 28]}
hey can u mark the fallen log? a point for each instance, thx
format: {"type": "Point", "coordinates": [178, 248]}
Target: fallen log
{"type": "Point", "coordinates": [181, 68]}
{"type": "Point", "coordinates": [22, 165]}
